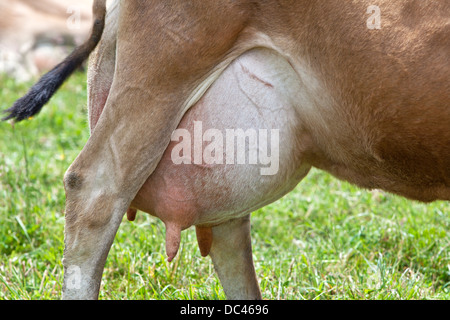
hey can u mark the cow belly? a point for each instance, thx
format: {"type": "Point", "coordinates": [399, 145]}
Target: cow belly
{"type": "Point", "coordinates": [213, 184]}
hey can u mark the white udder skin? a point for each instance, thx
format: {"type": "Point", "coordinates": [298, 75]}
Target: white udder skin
{"type": "Point", "coordinates": [249, 94]}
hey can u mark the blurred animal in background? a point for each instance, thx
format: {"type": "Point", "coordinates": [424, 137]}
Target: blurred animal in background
{"type": "Point", "coordinates": [37, 35]}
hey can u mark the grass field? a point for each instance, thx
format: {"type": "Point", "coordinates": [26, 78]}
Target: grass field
{"type": "Point", "coordinates": [325, 240]}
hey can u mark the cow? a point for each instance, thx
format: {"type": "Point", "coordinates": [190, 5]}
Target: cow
{"type": "Point", "coordinates": [368, 105]}
{"type": "Point", "coordinates": [36, 35]}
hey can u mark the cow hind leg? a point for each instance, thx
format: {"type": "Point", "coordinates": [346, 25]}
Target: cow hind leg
{"type": "Point", "coordinates": [231, 253]}
{"type": "Point", "coordinates": [91, 223]}
{"type": "Point", "coordinates": [88, 237]}
{"type": "Point", "coordinates": [100, 185]}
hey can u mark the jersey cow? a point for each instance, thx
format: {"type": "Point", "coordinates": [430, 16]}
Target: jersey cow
{"type": "Point", "coordinates": [35, 35]}
{"type": "Point", "coordinates": [180, 92]}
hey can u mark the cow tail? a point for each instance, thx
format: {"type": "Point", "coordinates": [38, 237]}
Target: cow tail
{"type": "Point", "coordinates": [32, 103]}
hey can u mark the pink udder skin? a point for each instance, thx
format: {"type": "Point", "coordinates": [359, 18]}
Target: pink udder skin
{"type": "Point", "coordinates": [205, 195]}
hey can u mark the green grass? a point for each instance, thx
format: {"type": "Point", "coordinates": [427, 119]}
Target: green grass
{"type": "Point", "coordinates": [325, 240]}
